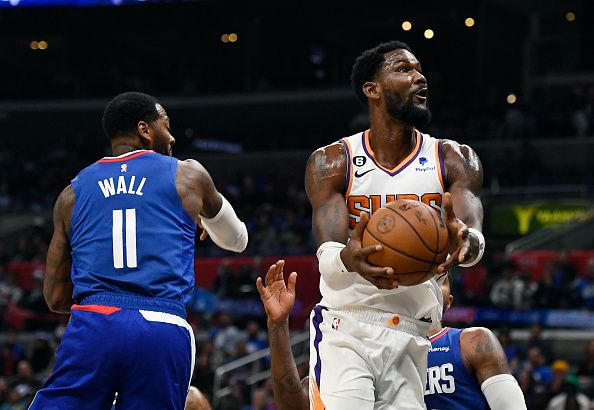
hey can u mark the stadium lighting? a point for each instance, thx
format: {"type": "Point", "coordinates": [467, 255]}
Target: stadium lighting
{"type": "Point", "coordinates": [469, 22]}
{"type": "Point", "coordinates": [429, 34]}
{"type": "Point", "coordinates": [511, 98]}
{"type": "Point", "coordinates": [570, 16]}
{"type": "Point", "coordinates": [43, 45]}
{"type": "Point", "coordinates": [225, 38]}
{"type": "Point", "coordinates": [233, 37]}
{"type": "Point", "coordinates": [406, 25]}
{"type": "Point", "coordinates": [34, 45]}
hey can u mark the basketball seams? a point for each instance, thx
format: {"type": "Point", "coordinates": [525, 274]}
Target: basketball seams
{"type": "Point", "coordinates": [437, 234]}
{"type": "Point", "coordinates": [413, 228]}
{"type": "Point", "coordinates": [396, 250]}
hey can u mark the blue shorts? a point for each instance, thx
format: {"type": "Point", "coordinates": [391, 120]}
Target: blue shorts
{"type": "Point", "coordinates": [146, 357]}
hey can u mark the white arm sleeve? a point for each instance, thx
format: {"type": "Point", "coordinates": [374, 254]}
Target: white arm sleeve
{"type": "Point", "coordinates": [226, 230]}
{"type": "Point", "coordinates": [332, 269]}
{"type": "Point", "coordinates": [503, 393]}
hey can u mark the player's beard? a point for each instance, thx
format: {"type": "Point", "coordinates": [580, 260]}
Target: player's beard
{"type": "Point", "coordinates": [408, 112]}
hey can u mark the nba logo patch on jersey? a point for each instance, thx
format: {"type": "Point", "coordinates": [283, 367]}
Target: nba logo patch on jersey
{"type": "Point", "coordinates": [335, 323]}
{"type": "Point", "coordinates": [124, 168]}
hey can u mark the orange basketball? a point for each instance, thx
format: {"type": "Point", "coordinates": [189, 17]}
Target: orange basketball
{"type": "Point", "coordinates": [414, 240]}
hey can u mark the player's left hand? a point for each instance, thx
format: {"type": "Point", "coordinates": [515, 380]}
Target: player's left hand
{"type": "Point", "coordinates": [204, 233]}
{"type": "Point", "coordinates": [458, 242]}
{"type": "Point", "coordinates": [278, 298]}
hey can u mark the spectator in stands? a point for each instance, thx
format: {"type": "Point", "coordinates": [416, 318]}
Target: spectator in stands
{"type": "Point", "coordinates": [9, 290]}
{"type": "Point", "coordinates": [255, 340]}
{"type": "Point", "coordinates": [560, 371]}
{"type": "Point", "coordinates": [42, 354]}
{"type": "Point", "coordinates": [535, 393]}
{"type": "Point", "coordinates": [17, 349]}
{"type": "Point", "coordinates": [203, 374]}
{"type": "Point", "coordinates": [225, 335]}
{"type": "Point", "coordinates": [3, 390]}
{"type": "Point", "coordinates": [475, 282]}
{"type": "Point", "coordinates": [261, 401]}
{"type": "Point", "coordinates": [585, 286]}
{"type": "Point", "coordinates": [25, 382]}
{"type": "Point", "coordinates": [237, 398]}
{"type": "Point", "coordinates": [224, 280]}
{"type": "Point", "coordinates": [265, 237]}
{"type": "Point", "coordinates": [564, 276]}
{"type": "Point", "coordinates": [536, 340]}
{"type": "Point", "coordinates": [545, 295]}
{"type": "Point", "coordinates": [570, 397]}
{"type": "Point", "coordinates": [507, 290]}
{"type": "Point", "coordinates": [587, 363]}
{"type": "Point", "coordinates": [536, 364]}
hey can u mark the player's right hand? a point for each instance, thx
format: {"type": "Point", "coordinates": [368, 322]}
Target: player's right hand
{"type": "Point", "coordinates": [354, 257]}
{"type": "Point", "coordinates": [278, 298]}
{"type": "Point", "coordinates": [204, 233]}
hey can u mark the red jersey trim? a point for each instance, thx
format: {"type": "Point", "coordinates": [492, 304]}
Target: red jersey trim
{"type": "Point", "coordinates": [105, 310]}
{"type": "Point", "coordinates": [440, 334]}
{"type": "Point", "coordinates": [125, 157]}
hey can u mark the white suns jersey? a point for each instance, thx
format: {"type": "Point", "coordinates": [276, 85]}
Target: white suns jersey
{"type": "Point", "coordinates": [369, 186]}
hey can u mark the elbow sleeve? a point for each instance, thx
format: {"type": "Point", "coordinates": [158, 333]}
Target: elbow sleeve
{"type": "Point", "coordinates": [226, 229]}
{"type": "Point", "coordinates": [503, 393]}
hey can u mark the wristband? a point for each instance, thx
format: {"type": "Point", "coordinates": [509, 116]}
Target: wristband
{"type": "Point", "coordinates": [481, 248]}
{"type": "Point", "coordinates": [334, 273]}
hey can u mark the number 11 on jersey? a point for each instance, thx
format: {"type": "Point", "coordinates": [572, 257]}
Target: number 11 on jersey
{"type": "Point", "coordinates": [118, 239]}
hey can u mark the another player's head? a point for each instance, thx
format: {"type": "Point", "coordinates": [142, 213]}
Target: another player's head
{"type": "Point", "coordinates": [195, 400]}
{"type": "Point", "coordinates": [138, 120]}
{"type": "Point", "coordinates": [446, 291]}
{"type": "Point", "coordinates": [389, 77]}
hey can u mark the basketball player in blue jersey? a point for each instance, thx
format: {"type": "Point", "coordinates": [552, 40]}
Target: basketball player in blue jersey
{"type": "Point", "coordinates": [121, 262]}
{"type": "Point", "coordinates": [368, 336]}
{"type": "Point", "coordinates": [468, 369]}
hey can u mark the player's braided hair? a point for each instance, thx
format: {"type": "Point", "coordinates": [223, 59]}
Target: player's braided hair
{"type": "Point", "coordinates": [367, 65]}
{"type": "Point", "coordinates": [122, 114]}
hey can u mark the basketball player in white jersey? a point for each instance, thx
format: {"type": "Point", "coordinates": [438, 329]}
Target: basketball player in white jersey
{"type": "Point", "coordinates": [368, 344]}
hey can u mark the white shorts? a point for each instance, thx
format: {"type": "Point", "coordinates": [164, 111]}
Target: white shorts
{"type": "Point", "coordinates": [364, 359]}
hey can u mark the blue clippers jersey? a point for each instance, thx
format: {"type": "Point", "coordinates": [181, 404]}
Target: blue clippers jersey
{"type": "Point", "coordinates": [129, 233]}
{"type": "Point", "coordinates": [449, 384]}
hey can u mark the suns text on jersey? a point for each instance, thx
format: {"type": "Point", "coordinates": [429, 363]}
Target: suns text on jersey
{"type": "Point", "coordinates": [125, 185]}
{"type": "Point", "coordinates": [371, 203]}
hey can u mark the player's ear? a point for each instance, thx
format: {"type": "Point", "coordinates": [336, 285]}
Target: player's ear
{"type": "Point", "coordinates": [371, 90]}
{"type": "Point", "coordinates": [145, 133]}
{"type": "Point", "coordinates": [450, 301]}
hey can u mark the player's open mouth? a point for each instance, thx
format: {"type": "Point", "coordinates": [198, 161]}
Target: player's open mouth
{"type": "Point", "coordinates": [422, 94]}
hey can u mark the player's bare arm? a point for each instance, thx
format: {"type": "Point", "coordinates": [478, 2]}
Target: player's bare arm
{"type": "Point", "coordinates": [197, 191]}
{"type": "Point", "coordinates": [325, 175]}
{"type": "Point", "coordinates": [209, 209]}
{"type": "Point", "coordinates": [57, 281]}
{"type": "Point", "coordinates": [482, 353]}
{"type": "Point", "coordinates": [462, 204]}
{"type": "Point", "coordinates": [484, 357]}
{"type": "Point", "coordinates": [278, 300]}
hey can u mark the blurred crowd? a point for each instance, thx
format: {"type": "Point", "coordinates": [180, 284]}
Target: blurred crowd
{"type": "Point", "coordinates": [548, 379]}
{"type": "Point", "coordinates": [29, 333]}
{"type": "Point", "coordinates": [502, 284]}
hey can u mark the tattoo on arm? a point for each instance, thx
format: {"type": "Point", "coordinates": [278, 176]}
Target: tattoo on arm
{"type": "Point", "coordinates": [484, 354]}
{"type": "Point", "coordinates": [330, 222]}
{"type": "Point", "coordinates": [288, 393]}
